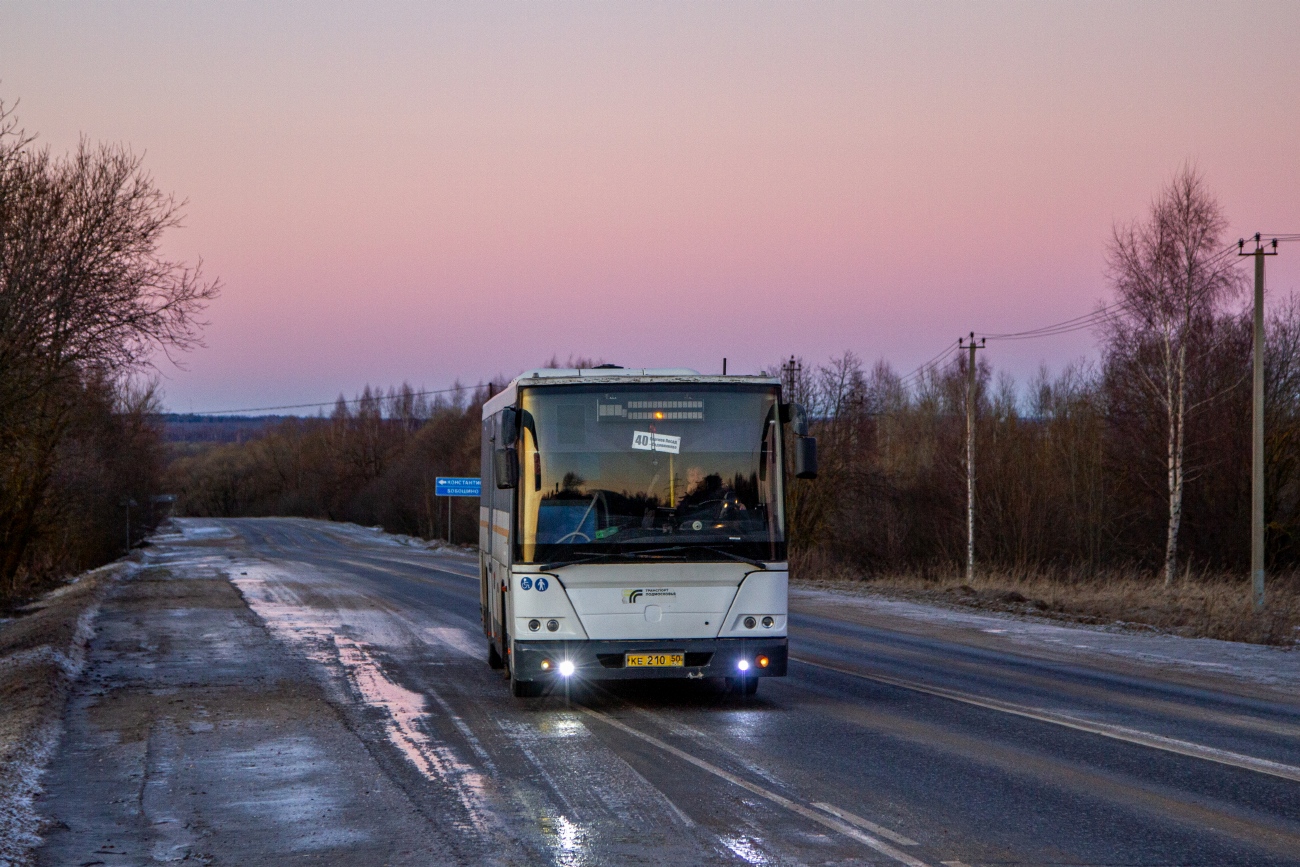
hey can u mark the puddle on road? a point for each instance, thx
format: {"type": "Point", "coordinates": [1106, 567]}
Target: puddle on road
{"type": "Point", "coordinates": [568, 841]}
{"type": "Point", "coordinates": [746, 849]}
{"type": "Point", "coordinates": [287, 793]}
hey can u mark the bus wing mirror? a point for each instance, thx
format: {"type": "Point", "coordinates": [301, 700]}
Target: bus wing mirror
{"type": "Point", "coordinates": [805, 458]}
{"type": "Point", "coordinates": [797, 417]}
{"type": "Point", "coordinates": [509, 426]}
{"type": "Point", "coordinates": [505, 467]}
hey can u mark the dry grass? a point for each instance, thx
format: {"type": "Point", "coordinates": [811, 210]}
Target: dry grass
{"type": "Point", "coordinates": [1200, 606]}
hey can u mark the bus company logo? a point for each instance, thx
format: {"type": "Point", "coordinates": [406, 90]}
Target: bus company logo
{"type": "Point", "coordinates": [633, 596]}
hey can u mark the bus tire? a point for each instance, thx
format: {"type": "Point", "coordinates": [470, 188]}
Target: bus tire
{"type": "Point", "coordinates": [495, 662]}
{"type": "Point", "coordinates": [745, 686]}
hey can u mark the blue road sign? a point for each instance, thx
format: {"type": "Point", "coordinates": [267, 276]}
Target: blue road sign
{"type": "Point", "coordinates": [457, 486]}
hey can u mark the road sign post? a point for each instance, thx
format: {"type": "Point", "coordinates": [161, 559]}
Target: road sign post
{"type": "Point", "coordinates": [456, 486]}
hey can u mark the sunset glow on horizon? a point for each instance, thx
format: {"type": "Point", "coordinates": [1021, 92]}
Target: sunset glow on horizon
{"type": "Point", "coordinates": [423, 193]}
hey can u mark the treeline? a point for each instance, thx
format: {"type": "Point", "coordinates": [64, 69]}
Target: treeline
{"type": "Point", "coordinates": [85, 299]}
{"type": "Point", "coordinates": [1137, 461]}
{"type": "Point", "coordinates": [1071, 470]}
{"type": "Point", "coordinates": [1142, 460]}
{"type": "Point", "coordinates": [372, 461]}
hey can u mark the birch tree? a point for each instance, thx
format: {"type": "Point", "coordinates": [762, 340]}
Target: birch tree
{"type": "Point", "coordinates": [1170, 273]}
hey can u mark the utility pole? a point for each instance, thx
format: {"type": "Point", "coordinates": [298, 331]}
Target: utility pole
{"type": "Point", "coordinates": [1257, 427]}
{"type": "Point", "coordinates": [128, 502]}
{"type": "Point", "coordinates": [970, 452]}
{"type": "Point", "coordinates": [790, 373]}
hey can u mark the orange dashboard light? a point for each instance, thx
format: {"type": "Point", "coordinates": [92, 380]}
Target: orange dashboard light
{"type": "Point", "coordinates": [762, 661]}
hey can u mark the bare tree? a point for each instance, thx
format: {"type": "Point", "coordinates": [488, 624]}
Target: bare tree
{"type": "Point", "coordinates": [85, 295]}
{"type": "Point", "coordinates": [1170, 273]}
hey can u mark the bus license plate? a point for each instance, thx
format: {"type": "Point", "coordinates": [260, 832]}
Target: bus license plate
{"type": "Point", "coordinates": [655, 660]}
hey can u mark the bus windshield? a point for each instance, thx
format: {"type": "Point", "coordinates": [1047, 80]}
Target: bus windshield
{"type": "Point", "coordinates": [676, 471]}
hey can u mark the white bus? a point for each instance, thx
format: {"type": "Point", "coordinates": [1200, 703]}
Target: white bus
{"type": "Point", "coordinates": [632, 525]}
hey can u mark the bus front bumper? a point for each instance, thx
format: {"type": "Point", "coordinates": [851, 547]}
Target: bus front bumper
{"type": "Point", "coordinates": [604, 660]}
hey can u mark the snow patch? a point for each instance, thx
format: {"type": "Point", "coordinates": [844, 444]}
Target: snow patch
{"type": "Point", "coordinates": [458, 640]}
{"type": "Point", "coordinates": [405, 710]}
{"type": "Point", "coordinates": [20, 779]}
{"type": "Point", "coordinates": [324, 637]}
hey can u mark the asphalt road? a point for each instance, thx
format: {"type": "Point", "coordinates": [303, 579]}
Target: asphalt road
{"type": "Point", "coordinates": [339, 709]}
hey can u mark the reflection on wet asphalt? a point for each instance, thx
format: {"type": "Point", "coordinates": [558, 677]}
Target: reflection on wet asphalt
{"type": "Point", "coordinates": [338, 708]}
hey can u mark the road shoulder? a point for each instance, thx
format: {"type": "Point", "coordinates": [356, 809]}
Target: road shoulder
{"type": "Point", "coordinates": [193, 733]}
{"type": "Point", "coordinates": [42, 653]}
{"type": "Point", "coordinates": [1228, 666]}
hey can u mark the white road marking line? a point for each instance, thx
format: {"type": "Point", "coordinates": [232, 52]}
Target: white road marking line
{"type": "Point", "coordinates": [953, 863]}
{"type": "Point", "coordinates": [865, 825]}
{"type": "Point", "coordinates": [834, 824]}
{"type": "Point", "coordinates": [1106, 730]}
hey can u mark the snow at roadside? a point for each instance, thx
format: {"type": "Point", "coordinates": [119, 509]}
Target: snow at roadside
{"type": "Point", "coordinates": [1270, 666]}
{"type": "Point", "coordinates": [20, 777]}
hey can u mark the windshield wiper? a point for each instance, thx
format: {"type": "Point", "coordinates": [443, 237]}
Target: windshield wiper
{"type": "Point", "coordinates": [589, 558]}
{"type": "Point", "coordinates": [647, 555]}
{"type": "Point", "coordinates": [718, 551]}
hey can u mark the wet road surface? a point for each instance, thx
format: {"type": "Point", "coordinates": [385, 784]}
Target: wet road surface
{"type": "Point", "coordinates": [335, 706]}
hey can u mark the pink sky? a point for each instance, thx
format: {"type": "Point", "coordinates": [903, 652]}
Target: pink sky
{"type": "Point", "coordinates": [407, 192]}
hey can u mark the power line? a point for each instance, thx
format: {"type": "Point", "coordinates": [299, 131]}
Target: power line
{"type": "Point", "coordinates": [933, 363]}
{"type": "Point", "coordinates": [335, 402]}
{"type": "Point", "coordinates": [1088, 320]}
{"type": "Point", "coordinates": [1077, 323]}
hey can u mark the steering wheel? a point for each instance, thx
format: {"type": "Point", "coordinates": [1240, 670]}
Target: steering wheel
{"type": "Point", "coordinates": [578, 532]}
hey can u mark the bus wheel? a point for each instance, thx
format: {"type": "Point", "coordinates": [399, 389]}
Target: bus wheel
{"type": "Point", "coordinates": [525, 688]}
{"type": "Point", "coordinates": [494, 659]}
{"type": "Point", "coordinates": [746, 686]}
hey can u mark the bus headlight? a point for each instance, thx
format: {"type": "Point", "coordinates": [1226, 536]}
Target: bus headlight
{"type": "Point", "coordinates": [743, 665]}
{"type": "Point", "coordinates": [762, 661]}
{"type": "Point", "coordinates": [566, 668]}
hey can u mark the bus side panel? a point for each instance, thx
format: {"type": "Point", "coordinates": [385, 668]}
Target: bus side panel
{"type": "Point", "coordinates": [500, 519]}
{"type": "Point", "coordinates": [485, 527]}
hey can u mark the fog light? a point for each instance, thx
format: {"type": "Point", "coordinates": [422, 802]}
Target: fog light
{"type": "Point", "coordinates": [769, 621]}
{"type": "Point", "coordinates": [749, 622]}
{"type": "Point", "coordinates": [743, 665]}
{"type": "Point", "coordinates": [566, 669]}
{"type": "Point", "coordinates": [762, 661]}
{"type": "Point", "coordinates": [552, 625]}
{"type": "Point", "coordinates": [546, 665]}
{"type": "Point", "coordinates": [534, 625]}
